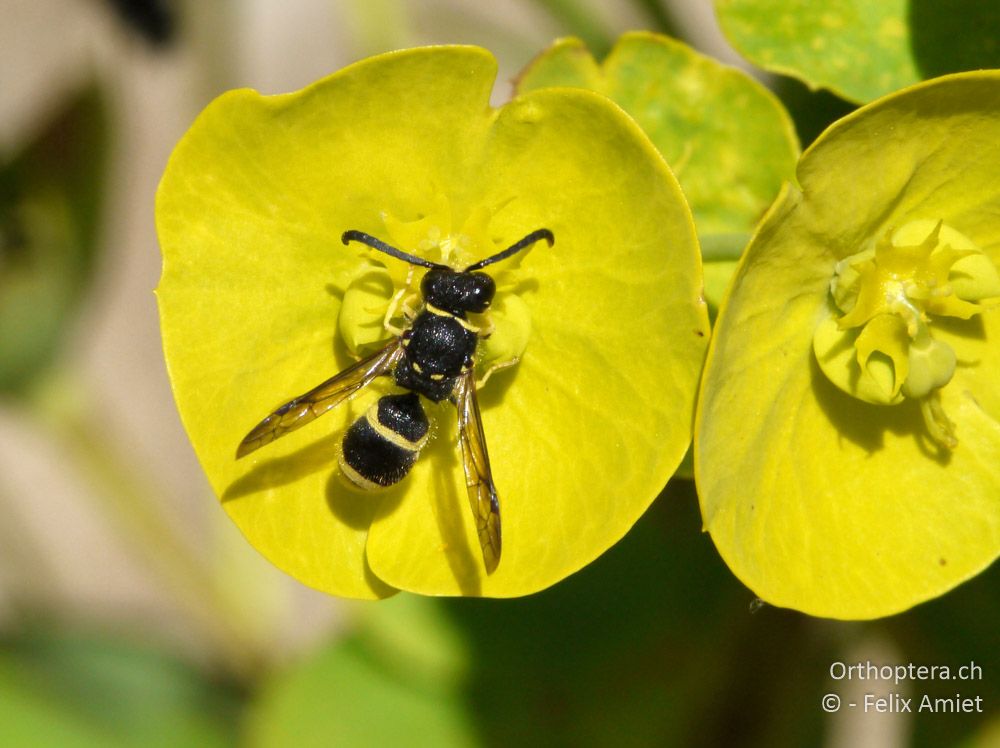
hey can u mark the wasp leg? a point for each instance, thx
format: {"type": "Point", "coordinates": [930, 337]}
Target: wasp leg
{"type": "Point", "coordinates": [390, 312]}
{"type": "Point", "coordinates": [494, 368]}
{"type": "Point", "coordinates": [489, 328]}
{"type": "Point", "coordinates": [399, 299]}
{"type": "Point", "coordinates": [411, 310]}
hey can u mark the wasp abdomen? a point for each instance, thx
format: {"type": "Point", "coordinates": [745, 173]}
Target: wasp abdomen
{"type": "Point", "coordinates": [379, 449]}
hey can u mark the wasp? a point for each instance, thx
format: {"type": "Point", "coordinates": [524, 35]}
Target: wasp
{"type": "Point", "coordinates": [432, 357]}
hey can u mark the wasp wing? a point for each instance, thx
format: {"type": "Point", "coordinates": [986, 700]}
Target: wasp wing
{"type": "Point", "coordinates": [478, 477]}
{"type": "Point", "coordinates": [317, 401]}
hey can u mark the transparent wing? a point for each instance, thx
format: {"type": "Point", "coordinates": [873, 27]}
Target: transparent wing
{"type": "Point", "coordinates": [317, 401]}
{"type": "Point", "coordinates": [478, 477]}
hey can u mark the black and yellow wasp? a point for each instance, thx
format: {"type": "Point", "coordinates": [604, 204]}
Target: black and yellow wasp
{"type": "Point", "coordinates": [433, 357]}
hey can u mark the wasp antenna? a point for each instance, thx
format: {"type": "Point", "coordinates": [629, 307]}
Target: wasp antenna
{"type": "Point", "coordinates": [513, 249]}
{"type": "Point", "coordinates": [371, 241]}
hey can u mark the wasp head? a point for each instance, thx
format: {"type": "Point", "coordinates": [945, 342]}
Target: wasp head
{"type": "Point", "coordinates": [458, 291]}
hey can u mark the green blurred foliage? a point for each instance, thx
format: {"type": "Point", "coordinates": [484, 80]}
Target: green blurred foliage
{"type": "Point", "coordinates": [396, 680]}
{"type": "Point", "coordinates": [50, 197]}
{"type": "Point", "coordinates": [653, 644]}
{"type": "Point", "coordinates": [61, 688]}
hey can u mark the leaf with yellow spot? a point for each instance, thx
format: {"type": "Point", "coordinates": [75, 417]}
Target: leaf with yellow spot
{"type": "Point", "coordinates": [862, 49]}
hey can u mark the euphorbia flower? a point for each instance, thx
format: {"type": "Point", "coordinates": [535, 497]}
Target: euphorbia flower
{"type": "Point", "coordinates": [848, 433]}
{"type": "Point", "coordinates": [260, 301]}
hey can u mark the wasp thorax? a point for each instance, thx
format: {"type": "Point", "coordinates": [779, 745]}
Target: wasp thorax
{"type": "Point", "coordinates": [879, 342]}
{"type": "Point", "coordinates": [458, 292]}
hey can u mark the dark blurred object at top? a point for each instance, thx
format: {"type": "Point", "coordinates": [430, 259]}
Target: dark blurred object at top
{"type": "Point", "coordinates": [156, 20]}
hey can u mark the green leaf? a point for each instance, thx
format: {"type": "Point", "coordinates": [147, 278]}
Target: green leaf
{"type": "Point", "coordinates": [727, 139]}
{"type": "Point", "coordinates": [828, 504]}
{"type": "Point", "coordinates": [394, 681]}
{"type": "Point", "coordinates": [80, 689]}
{"type": "Point", "coordinates": [31, 717]}
{"type": "Point", "coordinates": [863, 49]}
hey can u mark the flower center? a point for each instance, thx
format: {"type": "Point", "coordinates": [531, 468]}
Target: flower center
{"type": "Point", "coordinates": [877, 340]}
{"type": "Point", "coordinates": [383, 296]}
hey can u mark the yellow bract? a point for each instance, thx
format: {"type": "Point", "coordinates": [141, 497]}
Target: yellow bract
{"type": "Point", "coordinates": [866, 285]}
{"type": "Point", "coordinates": [260, 301]}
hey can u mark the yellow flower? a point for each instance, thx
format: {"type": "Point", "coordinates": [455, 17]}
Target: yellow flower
{"type": "Point", "coordinates": [260, 301]}
{"type": "Point", "coordinates": [891, 296]}
{"type": "Point", "coordinates": [848, 430]}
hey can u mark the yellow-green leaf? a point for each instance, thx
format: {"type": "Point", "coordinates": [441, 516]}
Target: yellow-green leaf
{"type": "Point", "coordinates": [726, 137]}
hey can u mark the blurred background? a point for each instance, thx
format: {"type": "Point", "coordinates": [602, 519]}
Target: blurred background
{"type": "Point", "coordinates": [131, 610]}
